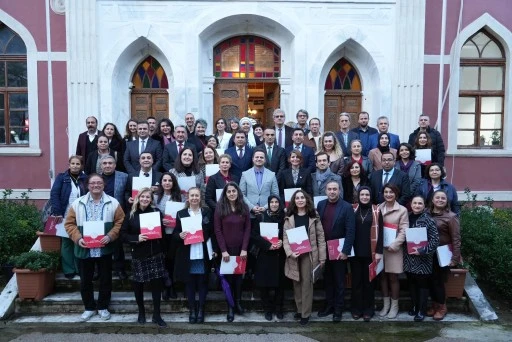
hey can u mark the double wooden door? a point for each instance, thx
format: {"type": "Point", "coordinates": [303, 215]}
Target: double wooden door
{"type": "Point", "coordinates": [337, 102]}
{"type": "Point", "coordinates": [149, 102]}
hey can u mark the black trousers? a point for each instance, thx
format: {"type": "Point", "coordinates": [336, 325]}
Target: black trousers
{"type": "Point", "coordinates": [197, 283]}
{"type": "Point", "coordinates": [171, 248]}
{"type": "Point", "coordinates": [156, 290]}
{"type": "Point", "coordinates": [272, 303]}
{"type": "Point", "coordinates": [334, 279]}
{"type": "Point", "coordinates": [87, 265]}
{"type": "Point", "coordinates": [437, 280]}
{"type": "Point", "coordinates": [362, 301]}
{"type": "Point", "coordinates": [235, 283]}
{"type": "Point", "coordinates": [119, 259]}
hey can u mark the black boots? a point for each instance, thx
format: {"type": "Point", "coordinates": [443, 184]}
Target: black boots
{"type": "Point", "coordinates": [169, 293]}
{"type": "Point", "coordinates": [192, 316]}
{"type": "Point", "coordinates": [421, 305]}
{"type": "Point", "coordinates": [231, 315]}
{"type": "Point", "coordinates": [142, 315]}
{"type": "Point", "coordinates": [200, 314]}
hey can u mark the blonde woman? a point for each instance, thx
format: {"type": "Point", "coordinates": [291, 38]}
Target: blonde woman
{"type": "Point", "coordinates": [330, 145]}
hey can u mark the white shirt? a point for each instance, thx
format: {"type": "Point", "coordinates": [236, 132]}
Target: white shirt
{"type": "Point", "coordinates": [196, 249]}
{"type": "Point", "coordinates": [140, 145]}
{"type": "Point", "coordinates": [390, 174]}
{"type": "Point", "coordinates": [92, 136]}
{"type": "Point", "coordinates": [150, 172]}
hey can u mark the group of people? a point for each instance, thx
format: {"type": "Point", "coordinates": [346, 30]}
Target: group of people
{"type": "Point", "coordinates": [348, 184]}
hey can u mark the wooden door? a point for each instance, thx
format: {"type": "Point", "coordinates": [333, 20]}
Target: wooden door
{"type": "Point", "coordinates": [229, 100]}
{"type": "Point", "coordinates": [335, 104]}
{"type": "Point", "coordinates": [272, 102]}
{"type": "Point", "coordinates": [149, 103]}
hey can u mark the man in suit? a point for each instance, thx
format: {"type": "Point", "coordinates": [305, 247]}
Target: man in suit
{"type": "Point", "coordinates": [275, 156]}
{"type": "Point", "coordinates": [88, 140]}
{"type": "Point", "coordinates": [136, 147]}
{"type": "Point", "coordinates": [338, 221]}
{"type": "Point", "coordinates": [308, 154]}
{"type": "Point", "coordinates": [383, 127]}
{"type": "Point", "coordinates": [173, 149]}
{"type": "Point", "coordinates": [437, 140]}
{"type": "Point", "coordinates": [115, 186]}
{"type": "Point", "coordinates": [312, 139]}
{"type": "Point", "coordinates": [146, 169]}
{"type": "Point", "coordinates": [283, 132]}
{"type": "Point", "coordinates": [257, 184]}
{"type": "Point", "coordinates": [389, 174]}
{"type": "Point", "coordinates": [241, 154]}
{"type": "Point", "coordinates": [345, 135]}
{"type": "Point", "coordinates": [323, 175]}
{"type": "Point", "coordinates": [364, 131]}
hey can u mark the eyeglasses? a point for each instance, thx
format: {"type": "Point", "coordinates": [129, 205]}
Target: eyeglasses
{"type": "Point", "coordinates": [278, 116]}
{"type": "Point", "coordinates": [95, 183]}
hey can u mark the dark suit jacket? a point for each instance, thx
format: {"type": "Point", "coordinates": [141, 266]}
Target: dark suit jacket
{"type": "Point", "coordinates": [343, 225]}
{"type": "Point", "coordinates": [400, 179]}
{"type": "Point", "coordinates": [81, 145]}
{"type": "Point", "coordinates": [288, 132]}
{"type": "Point", "coordinates": [285, 181]}
{"type": "Point", "coordinates": [346, 148]}
{"type": "Point", "coordinates": [308, 154]}
{"type": "Point", "coordinates": [170, 154]}
{"type": "Point", "coordinates": [394, 141]}
{"type": "Point", "coordinates": [128, 192]}
{"type": "Point", "coordinates": [256, 138]}
{"type": "Point", "coordinates": [240, 165]}
{"type": "Point", "coordinates": [278, 162]}
{"type": "Point", "coordinates": [216, 182]}
{"type": "Point", "coordinates": [131, 155]}
{"type": "Point", "coordinates": [92, 159]}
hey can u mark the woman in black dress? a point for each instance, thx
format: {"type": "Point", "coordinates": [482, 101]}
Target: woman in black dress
{"type": "Point", "coordinates": [296, 176]}
{"type": "Point", "coordinates": [269, 268]}
{"type": "Point", "coordinates": [147, 256]}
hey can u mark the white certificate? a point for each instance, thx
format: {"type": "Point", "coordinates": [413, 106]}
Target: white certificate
{"type": "Point", "coordinates": [218, 192]}
{"type": "Point", "coordinates": [138, 183]}
{"type": "Point", "coordinates": [424, 156]}
{"type": "Point", "coordinates": [318, 199]}
{"type": "Point", "coordinates": [211, 169]}
{"type": "Point", "coordinates": [186, 183]}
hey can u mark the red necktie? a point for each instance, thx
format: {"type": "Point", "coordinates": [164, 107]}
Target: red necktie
{"type": "Point", "coordinates": [180, 148]}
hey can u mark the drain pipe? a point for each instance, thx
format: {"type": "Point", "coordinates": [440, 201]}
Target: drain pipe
{"type": "Point", "coordinates": [441, 71]}
{"type": "Point", "coordinates": [51, 171]}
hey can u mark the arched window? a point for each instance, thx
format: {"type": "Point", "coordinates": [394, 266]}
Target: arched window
{"type": "Point", "coordinates": [247, 57]}
{"type": "Point", "coordinates": [150, 74]}
{"type": "Point", "coordinates": [481, 92]}
{"type": "Point", "coordinates": [14, 123]}
{"type": "Point", "coordinates": [343, 76]}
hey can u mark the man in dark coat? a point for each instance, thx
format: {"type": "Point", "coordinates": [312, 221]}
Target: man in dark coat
{"type": "Point", "coordinates": [364, 131]}
{"type": "Point", "coordinates": [437, 140]}
{"type": "Point", "coordinates": [389, 174]}
{"type": "Point", "coordinates": [275, 156]}
{"type": "Point", "coordinates": [87, 141]}
{"type": "Point", "coordinates": [283, 132]}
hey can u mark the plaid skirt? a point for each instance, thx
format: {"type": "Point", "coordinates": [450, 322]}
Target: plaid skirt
{"type": "Point", "coordinates": [144, 270]}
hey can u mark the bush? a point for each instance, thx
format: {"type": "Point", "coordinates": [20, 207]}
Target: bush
{"type": "Point", "coordinates": [487, 243]}
{"type": "Point", "coordinates": [19, 220]}
{"type": "Point", "coordinates": [35, 261]}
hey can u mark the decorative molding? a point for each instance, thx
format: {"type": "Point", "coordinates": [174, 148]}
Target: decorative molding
{"type": "Point", "coordinates": [497, 196]}
{"type": "Point", "coordinates": [434, 59]}
{"type": "Point", "coordinates": [20, 152]}
{"type": "Point", "coordinates": [54, 56]}
{"type": "Point", "coordinates": [58, 6]}
{"type": "Point", "coordinates": [35, 194]}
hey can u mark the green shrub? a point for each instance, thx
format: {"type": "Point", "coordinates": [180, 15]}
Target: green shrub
{"type": "Point", "coordinates": [487, 243]}
{"type": "Point", "coordinates": [19, 221]}
{"type": "Point", "coordinates": [35, 260]}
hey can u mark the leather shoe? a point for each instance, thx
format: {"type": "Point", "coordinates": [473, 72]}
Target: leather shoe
{"type": "Point", "coordinates": [336, 317]}
{"type": "Point", "coordinates": [122, 275]}
{"type": "Point", "coordinates": [367, 318]}
{"type": "Point", "coordinates": [231, 315]}
{"type": "Point", "coordinates": [159, 321]}
{"type": "Point", "coordinates": [326, 312]}
{"type": "Point", "coordinates": [69, 276]}
{"type": "Point", "coordinates": [268, 316]}
{"type": "Point", "coordinates": [304, 321]}
{"type": "Point", "coordinates": [142, 318]}
{"type": "Point", "coordinates": [356, 316]}
{"type": "Point", "coordinates": [279, 315]}
{"type": "Point", "coordinates": [297, 316]}
{"type": "Point", "coordinates": [200, 314]}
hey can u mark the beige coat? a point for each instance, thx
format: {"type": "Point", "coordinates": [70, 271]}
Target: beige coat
{"type": "Point", "coordinates": [318, 247]}
{"type": "Point", "coordinates": [393, 255]}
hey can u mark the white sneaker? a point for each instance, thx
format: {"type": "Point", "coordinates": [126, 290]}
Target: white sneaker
{"type": "Point", "coordinates": [87, 315]}
{"type": "Point", "coordinates": [104, 314]}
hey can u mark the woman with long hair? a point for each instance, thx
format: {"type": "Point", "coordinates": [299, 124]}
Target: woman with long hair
{"type": "Point", "coordinates": [375, 154]}
{"type": "Point", "coordinates": [115, 142]}
{"type": "Point", "coordinates": [168, 190]}
{"type": "Point", "coordinates": [394, 216]}
{"type": "Point", "coordinates": [296, 176]}
{"type": "Point", "coordinates": [192, 261]}
{"type": "Point", "coordinates": [435, 180]}
{"type": "Point", "coordinates": [234, 125]}
{"type": "Point", "coordinates": [130, 131]}
{"type": "Point", "coordinates": [147, 256]}
{"type": "Point", "coordinates": [448, 228]}
{"type": "Point", "coordinates": [330, 145]}
{"type": "Point", "coordinates": [233, 230]}
{"type": "Point", "coordinates": [212, 142]}
{"type": "Point", "coordinates": [356, 150]}
{"type": "Point", "coordinates": [405, 162]}
{"type": "Point", "coordinates": [68, 186]}
{"type": "Point", "coordinates": [219, 180]}
{"type": "Point", "coordinates": [222, 133]}
{"type": "Point", "coordinates": [418, 265]}
{"type": "Point", "coordinates": [164, 132]}
{"type": "Point", "coordinates": [423, 141]}
{"type": "Point", "coordinates": [93, 164]}
{"type": "Point", "coordinates": [354, 177]}
{"type": "Point", "coordinates": [186, 165]}
{"type": "Point", "coordinates": [366, 250]}
{"type": "Point", "coordinates": [208, 156]}
{"type": "Point", "coordinates": [268, 275]}
{"type": "Point", "coordinates": [299, 267]}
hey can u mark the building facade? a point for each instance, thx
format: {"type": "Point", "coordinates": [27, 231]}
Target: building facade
{"type": "Point", "coordinates": [63, 61]}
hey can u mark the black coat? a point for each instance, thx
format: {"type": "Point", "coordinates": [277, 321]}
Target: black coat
{"type": "Point", "coordinates": [170, 153]}
{"type": "Point", "coordinates": [269, 267]}
{"type": "Point", "coordinates": [216, 182]}
{"type": "Point", "coordinates": [182, 263]}
{"type": "Point", "coordinates": [278, 162]}
{"type": "Point", "coordinates": [130, 231]}
{"type": "Point", "coordinates": [399, 178]}
{"type": "Point", "coordinates": [303, 181]}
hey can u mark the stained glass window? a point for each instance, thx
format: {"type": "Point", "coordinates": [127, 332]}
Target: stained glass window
{"type": "Point", "coordinates": [481, 93]}
{"type": "Point", "coordinates": [14, 118]}
{"type": "Point", "coordinates": [343, 76]}
{"type": "Point", "coordinates": [150, 74]}
{"type": "Point", "coordinates": [247, 57]}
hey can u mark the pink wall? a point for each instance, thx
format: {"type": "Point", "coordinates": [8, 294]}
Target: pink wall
{"type": "Point", "coordinates": [58, 29]}
{"type": "Point", "coordinates": [60, 113]}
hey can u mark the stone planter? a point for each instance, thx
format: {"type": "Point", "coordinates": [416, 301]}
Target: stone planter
{"type": "Point", "coordinates": [34, 284]}
{"type": "Point", "coordinates": [49, 243]}
{"type": "Point", "coordinates": [454, 286]}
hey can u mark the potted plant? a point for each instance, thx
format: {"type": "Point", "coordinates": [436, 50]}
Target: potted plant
{"type": "Point", "coordinates": [454, 286]}
{"type": "Point", "coordinates": [495, 137]}
{"type": "Point", "coordinates": [18, 220]}
{"type": "Point", "coordinates": [48, 239]}
{"type": "Point", "coordinates": [35, 273]}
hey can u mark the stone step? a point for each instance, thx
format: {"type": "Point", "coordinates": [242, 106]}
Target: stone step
{"type": "Point", "coordinates": [124, 303]}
